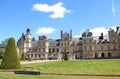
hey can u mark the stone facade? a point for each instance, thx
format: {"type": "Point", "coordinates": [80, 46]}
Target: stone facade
{"type": "Point", "coordinates": [85, 47]}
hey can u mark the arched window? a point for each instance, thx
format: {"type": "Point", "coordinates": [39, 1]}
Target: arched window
{"type": "Point", "coordinates": [102, 55]}
{"type": "Point", "coordinates": [90, 48]}
{"type": "Point", "coordinates": [49, 50]}
{"type": "Point", "coordinates": [101, 47]}
{"type": "Point", "coordinates": [57, 49]}
{"type": "Point", "coordinates": [53, 50]}
{"type": "Point", "coordinates": [109, 55]}
{"type": "Point", "coordinates": [85, 48]}
{"type": "Point", "coordinates": [96, 55]}
{"type": "Point", "coordinates": [35, 55]}
{"type": "Point", "coordinates": [31, 55]}
{"type": "Point", "coordinates": [85, 41]}
{"type": "Point", "coordinates": [108, 47]}
{"type": "Point", "coordinates": [39, 55]}
{"type": "Point", "coordinates": [114, 46]}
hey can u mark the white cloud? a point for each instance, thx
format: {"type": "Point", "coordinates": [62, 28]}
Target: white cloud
{"type": "Point", "coordinates": [58, 11]}
{"type": "Point", "coordinates": [45, 30]}
{"type": "Point", "coordinates": [118, 9]}
{"type": "Point", "coordinates": [97, 31]}
{"type": "Point", "coordinates": [77, 36]}
{"type": "Point", "coordinates": [113, 9]}
{"type": "Point", "coordinates": [113, 27]}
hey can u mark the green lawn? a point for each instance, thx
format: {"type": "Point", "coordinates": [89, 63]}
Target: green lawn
{"type": "Point", "coordinates": [11, 76]}
{"type": "Point", "coordinates": [106, 67]}
{"type": "Point", "coordinates": [93, 67]}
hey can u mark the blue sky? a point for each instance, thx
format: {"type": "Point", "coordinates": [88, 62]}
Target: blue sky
{"type": "Point", "coordinates": [50, 16]}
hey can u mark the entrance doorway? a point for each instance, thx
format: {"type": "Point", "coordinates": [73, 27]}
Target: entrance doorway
{"type": "Point", "coordinates": [96, 55]}
{"type": "Point", "coordinates": [102, 55]}
{"type": "Point", "coordinates": [109, 55]}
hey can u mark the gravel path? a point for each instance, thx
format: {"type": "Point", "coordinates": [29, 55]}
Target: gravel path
{"type": "Point", "coordinates": [36, 61]}
{"type": "Point", "coordinates": [83, 76]}
{"type": "Point", "coordinates": [64, 75]}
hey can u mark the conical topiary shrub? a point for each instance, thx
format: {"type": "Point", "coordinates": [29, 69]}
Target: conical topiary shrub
{"type": "Point", "coordinates": [10, 58]}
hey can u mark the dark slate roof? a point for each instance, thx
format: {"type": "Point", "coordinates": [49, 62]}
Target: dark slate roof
{"type": "Point", "coordinates": [3, 45]}
{"type": "Point", "coordinates": [33, 39]}
{"type": "Point", "coordinates": [22, 38]}
{"type": "Point", "coordinates": [53, 42]}
{"type": "Point", "coordinates": [34, 44]}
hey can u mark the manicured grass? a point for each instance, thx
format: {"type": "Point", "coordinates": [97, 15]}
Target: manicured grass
{"type": "Point", "coordinates": [93, 67]}
{"type": "Point", "coordinates": [11, 76]}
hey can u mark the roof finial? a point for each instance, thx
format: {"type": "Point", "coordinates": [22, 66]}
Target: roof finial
{"type": "Point", "coordinates": [28, 30]}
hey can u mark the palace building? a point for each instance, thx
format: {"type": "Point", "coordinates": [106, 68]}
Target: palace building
{"type": "Point", "coordinates": [85, 47]}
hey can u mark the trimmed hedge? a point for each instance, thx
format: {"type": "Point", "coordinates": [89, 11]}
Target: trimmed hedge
{"type": "Point", "coordinates": [27, 72]}
{"type": "Point", "coordinates": [10, 58]}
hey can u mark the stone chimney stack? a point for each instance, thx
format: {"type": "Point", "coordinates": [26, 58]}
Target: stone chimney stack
{"type": "Point", "coordinates": [61, 34]}
{"type": "Point", "coordinates": [117, 28]}
{"type": "Point", "coordinates": [102, 34]}
{"type": "Point", "coordinates": [71, 34]}
{"type": "Point", "coordinates": [28, 30]}
{"type": "Point", "coordinates": [101, 37]}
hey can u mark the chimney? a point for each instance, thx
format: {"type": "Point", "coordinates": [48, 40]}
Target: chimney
{"type": "Point", "coordinates": [61, 34]}
{"type": "Point", "coordinates": [22, 34]}
{"type": "Point", "coordinates": [117, 28]}
{"type": "Point", "coordinates": [101, 34]}
{"type": "Point", "coordinates": [28, 30]}
{"type": "Point", "coordinates": [101, 37]}
{"type": "Point", "coordinates": [71, 34]}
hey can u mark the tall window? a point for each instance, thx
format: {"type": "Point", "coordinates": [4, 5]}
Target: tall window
{"type": "Point", "coordinates": [114, 46]}
{"type": "Point", "coordinates": [90, 41]}
{"type": "Point", "coordinates": [96, 55]}
{"type": "Point", "coordinates": [43, 49]}
{"type": "Point", "coordinates": [90, 48]}
{"type": "Point", "coordinates": [65, 43]}
{"type": "Point", "coordinates": [101, 47]}
{"type": "Point", "coordinates": [95, 48]}
{"type": "Point", "coordinates": [85, 41]}
{"type": "Point", "coordinates": [31, 55]}
{"type": "Point", "coordinates": [53, 49]}
{"type": "Point", "coordinates": [39, 49]}
{"type": "Point", "coordinates": [102, 55]}
{"type": "Point", "coordinates": [49, 50]}
{"type": "Point", "coordinates": [108, 47]}
{"type": "Point", "coordinates": [39, 55]}
{"type": "Point", "coordinates": [85, 48]}
{"type": "Point", "coordinates": [35, 55]}
{"type": "Point", "coordinates": [109, 55]}
{"type": "Point", "coordinates": [28, 55]}
{"type": "Point", "coordinates": [68, 43]}
{"type": "Point", "coordinates": [61, 43]}
{"type": "Point", "coordinates": [57, 49]}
